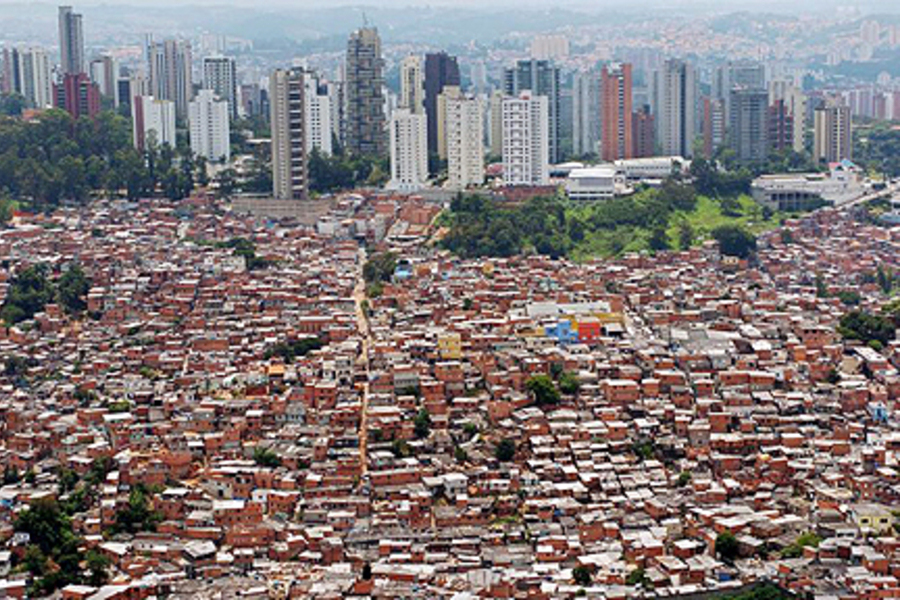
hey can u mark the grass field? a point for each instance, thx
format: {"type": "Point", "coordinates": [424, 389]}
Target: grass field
{"type": "Point", "coordinates": [706, 216]}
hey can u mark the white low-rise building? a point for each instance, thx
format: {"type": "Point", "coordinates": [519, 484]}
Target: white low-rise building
{"type": "Point", "coordinates": [596, 183]}
{"type": "Point", "coordinates": [655, 167]}
{"type": "Point", "coordinates": [803, 191]}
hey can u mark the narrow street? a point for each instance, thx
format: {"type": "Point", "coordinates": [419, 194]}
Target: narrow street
{"type": "Point", "coordinates": [362, 322]}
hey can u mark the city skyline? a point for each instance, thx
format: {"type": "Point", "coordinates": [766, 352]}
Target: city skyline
{"type": "Point", "coordinates": [450, 300]}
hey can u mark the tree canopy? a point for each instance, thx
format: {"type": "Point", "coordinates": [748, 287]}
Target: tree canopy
{"type": "Point", "coordinates": [542, 390]}
{"type": "Point", "coordinates": [734, 240]}
{"type": "Point", "coordinates": [33, 288]}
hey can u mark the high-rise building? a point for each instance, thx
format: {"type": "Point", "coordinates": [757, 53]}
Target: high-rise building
{"type": "Point", "coordinates": [713, 126]}
{"type": "Point", "coordinates": [317, 111]}
{"type": "Point", "coordinates": [832, 136]}
{"type": "Point", "coordinates": [105, 73]}
{"type": "Point", "coordinates": [78, 96]}
{"type": "Point", "coordinates": [465, 142]}
{"type": "Point", "coordinates": [586, 109]}
{"type": "Point", "coordinates": [208, 118]}
{"type": "Point", "coordinates": [746, 74]}
{"type": "Point", "coordinates": [412, 89]}
{"type": "Point", "coordinates": [409, 150]}
{"type": "Point", "coordinates": [526, 134]}
{"type": "Point", "coordinates": [441, 70]}
{"type": "Point", "coordinates": [748, 129]}
{"type": "Point", "coordinates": [220, 76]}
{"type": "Point", "coordinates": [287, 121]}
{"type": "Point", "coordinates": [153, 119]}
{"type": "Point", "coordinates": [616, 105]}
{"type": "Point", "coordinates": [496, 118]}
{"type": "Point", "coordinates": [71, 41]}
{"type": "Point", "coordinates": [337, 102]}
{"type": "Point", "coordinates": [171, 76]}
{"type": "Point", "coordinates": [781, 127]}
{"type": "Point", "coordinates": [644, 135]}
{"type": "Point", "coordinates": [542, 79]}
{"type": "Point", "coordinates": [795, 104]}
{"type": "Point", "coordinates": [27, 72]}
{"type": "Point", "coordinates": [674, 105]}
{"type": "Point", "coordinates": [253, 100]}
{"type": "Point", "coordinates": [365, 120]}
{"type": "Point", "coordinates": [130, 86]}
{"type": "Point", "coordinates": [450, 92]}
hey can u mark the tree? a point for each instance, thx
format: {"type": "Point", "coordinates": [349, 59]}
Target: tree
{"type": "Point", "coordinates": [47, 526]}
{"type": "Point", "coordinates": [28, 292]}
{"type": "Point", "coordinates": [885, 278]}
{"type": "Point", "coordinates": [734, 240]}
{"type": "Point", "coordinates": [266, 458]}
{"type": "Point", "coordinates": [422, 424]}
{"type": "Point", "coordinates": [505, 450]}
{"type": "Point", "coordinates": [12, 105]}
{"type": "Point", "coordinates": [726, 546]}
{"type": "Point", "coordinates": [865, 327]}
{"type": "Point", "coordinates": [290, 350]}
{"type": "Point", "coordinates": [71, 290]}
{"type": "Point", "coordinates": [638, 577]}
{"type": "Point", "coordinates": [55, 158]}
{"type": "Point", "coordinates": [685, 234]}
{"type": "Point", "coordinates": [401, 449]}
{"type": "Point", "coordinates": [137, 515]}
{"type": "Point", "coordinates": [795, 549]}
{"type": "Point", "coordinates": [98, 567]}
{"type": "Point", "coordinates": [568, 383]}
{"type": "Point", "coordinates": [659, 239]}
{"type": "Point", "coordinates": [730, 206]}
{"type": "Point", "coordinates": [460, 454]}
{"type": "Point", "coordinates": [225, 183]}
{"type": "Point", "coordinates": [380, 267]}
{"type": "Point", "coordinates": [821, 287]}
{"type": "Point", "coordinates": [582, 575]}
{"type": "Point", "coordinates": [34, 560]}
{"type": "Point", "coordinates": [542, 390]}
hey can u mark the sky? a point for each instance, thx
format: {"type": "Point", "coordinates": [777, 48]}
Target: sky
{"type": "Point", "coordinates": [581, 5]}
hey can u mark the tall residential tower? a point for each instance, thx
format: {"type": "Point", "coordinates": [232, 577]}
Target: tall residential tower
{"type": "Point", "coordinates": [365, 132]}
{"type": "Point", "coordinates": [289, 158]}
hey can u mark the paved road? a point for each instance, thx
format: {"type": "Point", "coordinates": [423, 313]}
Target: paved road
{"type": "Point", "coordinates": [887, 192]}
{"type": "Point", "coordinates": [362, 324]}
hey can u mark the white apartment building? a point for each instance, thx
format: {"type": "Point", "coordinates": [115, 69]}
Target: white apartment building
{"type": "Point", "coordinates": [27, 72]}
{"type": "Point", "coordinates": [465, 142]}
{"type": "Point", "coordinates": [318, 113]}
{"type": "Point", "coordinates": [409, 150]}
{"type": "Point", "coordinates": [153, 119]}
{"type": "Point", "coordinates": [208, 117]}
{"type": "Point", "coordinates": [526, 140]}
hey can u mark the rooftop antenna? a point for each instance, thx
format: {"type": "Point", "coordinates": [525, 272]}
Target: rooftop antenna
{"type": "Point", "coordinates": [365, 19]}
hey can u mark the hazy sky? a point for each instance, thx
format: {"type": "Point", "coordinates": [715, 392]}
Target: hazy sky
{"type": "Point", "coordinates": [588, 5]}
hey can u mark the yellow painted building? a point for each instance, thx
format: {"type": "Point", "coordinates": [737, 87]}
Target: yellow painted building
{"type": "Point", "coordinates": [450, 346]}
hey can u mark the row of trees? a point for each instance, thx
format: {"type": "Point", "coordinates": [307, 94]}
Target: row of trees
{"type": "Point", "coordinates": [338, 171]}
{"type": "Point", "coordinates": [878, 148]}
{"type": "Point", "coordinates": [57, 158]}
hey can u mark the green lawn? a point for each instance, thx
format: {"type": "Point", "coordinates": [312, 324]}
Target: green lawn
{"type": "Point", "coordinates": [703, 219]}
